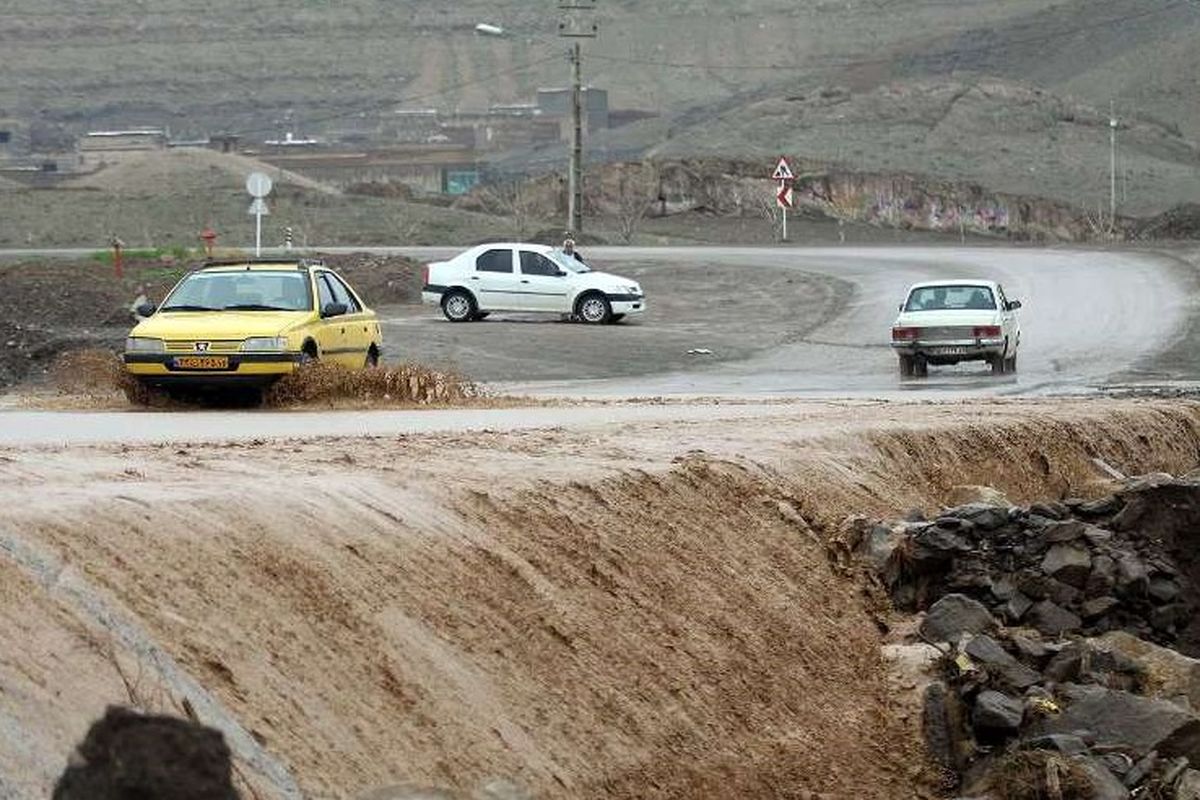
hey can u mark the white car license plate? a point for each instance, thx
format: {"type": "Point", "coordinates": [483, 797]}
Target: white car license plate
{"type": "Point", "coordinates": [950, 351]}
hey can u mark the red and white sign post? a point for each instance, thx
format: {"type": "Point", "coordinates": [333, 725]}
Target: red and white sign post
{"type": "Point", "coordinates": [783, 198]}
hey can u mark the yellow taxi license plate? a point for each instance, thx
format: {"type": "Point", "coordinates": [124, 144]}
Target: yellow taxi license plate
{"type": "Point", "coordinates": [202, 362]}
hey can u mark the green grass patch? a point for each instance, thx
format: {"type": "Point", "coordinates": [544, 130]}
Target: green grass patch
{"type": "Point", "coordinates": [148, 254]}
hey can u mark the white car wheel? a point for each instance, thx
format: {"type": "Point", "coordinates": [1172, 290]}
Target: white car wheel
{"type": "Point", "coordinates": [594, 309]}
{"type": "Point", "coordinates": [458, 306]}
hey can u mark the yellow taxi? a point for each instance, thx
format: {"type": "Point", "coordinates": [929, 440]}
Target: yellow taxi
{"type": "Point", "coordinates": [250, 322]}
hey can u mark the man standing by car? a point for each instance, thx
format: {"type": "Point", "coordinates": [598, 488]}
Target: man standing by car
{"type": "Point", "coordinates": [568, 247]}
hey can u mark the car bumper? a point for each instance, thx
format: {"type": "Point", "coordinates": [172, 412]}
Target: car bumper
{"type": "Point", "coordinates": [432, 296]}
{"type": "Point", "coordinates": [952, 351]}
{"type": "Point", "coordinates": [626, 304]}
{"type": "Point", "coordinates": [240, 368]}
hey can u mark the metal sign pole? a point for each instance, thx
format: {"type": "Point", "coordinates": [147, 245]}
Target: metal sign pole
{"type": "Point", "coordinates": [783, 198]}
{"type": "Point", "coordinates": [258, 186]}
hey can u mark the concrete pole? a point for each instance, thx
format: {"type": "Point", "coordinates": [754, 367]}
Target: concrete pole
{"type": "Point", "coordinates": [575, 176]}
{"type": "Point", "coordinates": [575, 25]}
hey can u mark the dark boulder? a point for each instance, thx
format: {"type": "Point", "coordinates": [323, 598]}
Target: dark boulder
{"type": "Point", "coordinates": [1103, 579]}
{"type": "Point", "coordinates": [1098, 607]}
{"type": "Point", "coordinates": [1104, 507]}
{"type": "Point", "coordinates": [130, 755]}
{"type": "Point", "coordinates": [1059, 532]}
{"type": "Point", "coordinates": [1133, 577]}
{"type": "Point", "coordinates": [987, 652]}
{"type": "Point", "coordinates": [996, 715]}
{"type": "Point", "coordinates": [943, 724]}
{"type": "Point", "coordinates": [982, 516]}
{"type": "Point", "coordinates": [1051, 619]}
{"type": "Point", "coordinates": [1068, 563]}
{"type": "Point", "coordinates": [1117, 719]}
{"type": "Point", "coordinates": [1100, 783]}
{"type": "Point", "coordinates": [955, 614]}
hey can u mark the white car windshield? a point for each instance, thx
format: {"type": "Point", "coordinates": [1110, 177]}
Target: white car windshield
{"type": "Point", "coordinates": [569, 263]}
{"type": "Point", "coordinates": [248, 290]}
{"type": "Point", "coordinates": [950, 298]}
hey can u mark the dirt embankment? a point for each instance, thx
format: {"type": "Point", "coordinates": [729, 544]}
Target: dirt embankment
{"type": "Point", "coordinates": [651, 611]}
{"type": "Point", "coordinates": [736, 188]}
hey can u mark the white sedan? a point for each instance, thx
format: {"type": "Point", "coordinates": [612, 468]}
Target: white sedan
{"type": "Point", "coordinates": [527, 277]}
{"type": "Point", "coordinates": [945, 322]}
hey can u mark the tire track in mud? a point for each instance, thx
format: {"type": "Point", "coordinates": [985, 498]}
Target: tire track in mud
{"type": "Point", "coordinates": [92, 609]}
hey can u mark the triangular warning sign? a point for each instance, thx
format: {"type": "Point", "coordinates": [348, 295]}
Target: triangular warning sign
{"type": "Point", "coordinates": [783, 171]}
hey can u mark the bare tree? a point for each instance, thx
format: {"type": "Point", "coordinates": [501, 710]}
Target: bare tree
{"type": "Point", "coordinates": [516, 201]}
{"type": "Point", "coordinates": [637, 191]}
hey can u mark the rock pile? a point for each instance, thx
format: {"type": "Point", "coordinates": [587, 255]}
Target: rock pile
{"type": "Point", "coordinates": [1056, 625]}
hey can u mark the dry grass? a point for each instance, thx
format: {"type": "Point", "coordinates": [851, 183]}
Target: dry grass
{"type": "Point", "coordinates": [1039, 775]}
{"type": "Point", "coordinates": [405, 385]}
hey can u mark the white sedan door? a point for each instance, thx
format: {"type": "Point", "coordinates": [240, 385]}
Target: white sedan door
{"type": "Point", "coordinates": [494, 280]}
{"type": "Point", "coordinates": [543, 284]}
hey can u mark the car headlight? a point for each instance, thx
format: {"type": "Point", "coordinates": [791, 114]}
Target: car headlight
{"type": "Point", "coordinates": [143, 344]}
{"type": "Point", "coordinates": [265, 343]}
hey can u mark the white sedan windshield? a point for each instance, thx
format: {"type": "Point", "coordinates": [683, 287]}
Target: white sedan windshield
{"type": "Point", "coordinates": [257, 290]}
{"type": "Point", "coordinates": [569, 263]}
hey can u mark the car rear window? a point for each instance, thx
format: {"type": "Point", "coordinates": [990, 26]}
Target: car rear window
{"type": "Point", "coordinates": [950, 298]}
{"type": "Point", "coordinates": [495, 261]}
{"type": "Point", "coordinates": [248, 290]}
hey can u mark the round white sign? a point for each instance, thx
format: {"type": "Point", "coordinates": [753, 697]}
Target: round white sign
{"type": "Point", "coordinates": [258, 184]}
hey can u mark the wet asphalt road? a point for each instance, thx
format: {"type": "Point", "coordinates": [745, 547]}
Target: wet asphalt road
{"type": "Point", "coordinates": [1090, 319]}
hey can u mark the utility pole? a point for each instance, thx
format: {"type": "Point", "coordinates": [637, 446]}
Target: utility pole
{"type": "Point", "coordinates": [1112, 168]}
{"type": "Point", "coordinates": [576, 24]}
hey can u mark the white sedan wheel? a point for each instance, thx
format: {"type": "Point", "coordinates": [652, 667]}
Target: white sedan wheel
{"type": "Point", "coordinates": [595, 309]}
{"type": "Point", "coordinates": [457, 307]}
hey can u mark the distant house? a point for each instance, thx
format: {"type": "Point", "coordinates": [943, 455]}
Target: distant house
{"type": "Point", "coordinates": [224, 142]}
{"type": "Point", "coordinates": [291, 140]}
{"type": "Point", "coordinates": [127, 140]}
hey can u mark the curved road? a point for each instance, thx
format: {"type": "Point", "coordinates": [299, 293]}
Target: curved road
{"type": "Point", "coordinates": [1087, 316]}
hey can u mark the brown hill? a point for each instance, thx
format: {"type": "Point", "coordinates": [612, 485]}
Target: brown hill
{"type": "Point", "coordinates": [1010, 137]}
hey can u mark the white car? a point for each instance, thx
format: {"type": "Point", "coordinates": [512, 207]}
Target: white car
{"type": "Point", "coordinates": [527, 277]}
{"type": "Point", "coordinates": [945, 322]}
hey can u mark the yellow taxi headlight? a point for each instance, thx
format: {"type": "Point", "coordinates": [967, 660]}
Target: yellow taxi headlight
{"type": "Point", "coordinates": [144, 344]}
{"type": "Point", "coordinates": [260, 344]}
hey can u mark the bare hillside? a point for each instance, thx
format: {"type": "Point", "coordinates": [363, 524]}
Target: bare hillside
{"type": "Point", "coordinates": [1012, 94]}
{"type": "Point", "coordinates": [1010, 137]}
{"type": "Point", "coordinates": [318, 64]}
